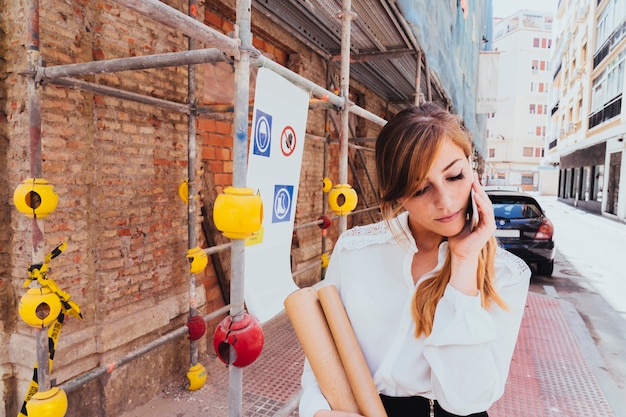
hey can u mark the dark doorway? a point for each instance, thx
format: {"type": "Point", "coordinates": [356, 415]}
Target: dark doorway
{"type": "Point", "coordinates": [612, 192]}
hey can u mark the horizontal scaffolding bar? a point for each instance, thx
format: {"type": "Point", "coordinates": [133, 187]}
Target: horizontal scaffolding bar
{"type": "Point", "coordinates": [188, 25]}
{"type": "Point", "coordinates": [81, 380]}
{"type": "Point", "coordinates": [198, 56]}
{"type": "Point", "coordinates": [315, 89]}
{"type": "Point", "coordinates": [115, 92]}
{"type": "Point", "coordinates": [363, 148]}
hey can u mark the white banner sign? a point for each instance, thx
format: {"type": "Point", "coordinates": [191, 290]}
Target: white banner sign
{"type": "Point", "coordinates": [487, 94]}
{"type": "Point", "coordinates": [275, 158]}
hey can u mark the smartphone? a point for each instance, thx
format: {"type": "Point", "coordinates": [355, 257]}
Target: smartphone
{"type": "Point", "coordinates": [472, 211]}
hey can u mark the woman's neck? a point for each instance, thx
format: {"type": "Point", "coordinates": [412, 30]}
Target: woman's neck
{"type": "Point", "coordinates": [425, 240]}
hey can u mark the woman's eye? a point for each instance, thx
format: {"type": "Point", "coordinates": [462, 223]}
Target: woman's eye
{"type": "Point", "coordinates": [420, 192]}
{"type": "Point", "coordinates": [458, 177]}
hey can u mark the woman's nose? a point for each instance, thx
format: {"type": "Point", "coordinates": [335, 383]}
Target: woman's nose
{"type": "Point", "coordinates": [444, 199]}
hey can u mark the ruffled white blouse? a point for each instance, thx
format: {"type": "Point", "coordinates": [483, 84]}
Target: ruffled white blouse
{"type": "Point", "coordinates": [463, 363]}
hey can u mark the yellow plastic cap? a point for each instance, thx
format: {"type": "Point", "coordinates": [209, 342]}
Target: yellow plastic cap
{"type": "Point", "coordinates": [35, 197]}
{"type": "Point", "coordinates": [39, 307]}
{"type": "Point", "coordinates": [238, 212]}
{"type": "Point", "coordinates": [342, 199]}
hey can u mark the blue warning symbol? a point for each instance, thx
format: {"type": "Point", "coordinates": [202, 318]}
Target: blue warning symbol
{"type": "Point", "coordinates": [283, 197]}
{"type": "Point", "coordinates": [262, 134]}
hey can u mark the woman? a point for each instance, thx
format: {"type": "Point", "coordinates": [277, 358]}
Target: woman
{"type": "Point", "coordinates": [435, 304]}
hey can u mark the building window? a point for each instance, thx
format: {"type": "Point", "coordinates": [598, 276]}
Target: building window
{"type": "Point", "coordinates": [580, 110]}
{"type": "Point", "coordinates": [606, 92]}
{"type": "Point", "coordinates": [527, 179]}
{"type": "Point", "coordinates": [492, 152]}
{"type": "Point", "coordinates": [527, 151]}
{"type": "Point", "coordinates": [543, 43]}
{"type": "Point", "coordinates": [540, 131]}
{"type": "Point", "coordinates": [531, 110]}
{"type": "Point", "coordinates": [538, 87]}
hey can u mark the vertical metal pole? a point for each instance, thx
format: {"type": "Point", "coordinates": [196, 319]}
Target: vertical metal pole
{"type": "Point", "coordinates": [346, 19]}
{"type": "Point", "coordinates": [34, 131]}
{"type": "Point", "coordinates": [418, 78]}
{"type": "Point", "coordinates": [191, 174]}
{"type": "Point", "coordinates": [429, 87]}
{"type": "Point", "coordinates": [240, 154]}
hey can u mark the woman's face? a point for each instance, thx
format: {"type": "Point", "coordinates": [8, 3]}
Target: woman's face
{"type": "Point", "coordinates": [440, 206]}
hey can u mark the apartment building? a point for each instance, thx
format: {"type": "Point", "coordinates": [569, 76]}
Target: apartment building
{"type": "Point", "coordinates": [516, 131]}
{"type": "Point", "coordinates": [587, 123]}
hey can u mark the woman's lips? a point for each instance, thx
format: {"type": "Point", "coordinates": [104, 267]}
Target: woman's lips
{"type": "Point", "coordinates": [448, 219]}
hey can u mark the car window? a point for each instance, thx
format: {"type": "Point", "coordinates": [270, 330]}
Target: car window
{"type": "Point", "coordinates": [516, 210]}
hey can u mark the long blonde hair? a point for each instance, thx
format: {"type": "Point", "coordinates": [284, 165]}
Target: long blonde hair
{"type": "Point", "coordinates": [405, 152]}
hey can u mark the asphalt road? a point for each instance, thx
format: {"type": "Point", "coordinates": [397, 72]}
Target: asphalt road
{"type": "Point", "coordinates": [590, 273]}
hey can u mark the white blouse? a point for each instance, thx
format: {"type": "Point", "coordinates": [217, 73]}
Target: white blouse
{"type": "Point", "coordinates": [463, 363]}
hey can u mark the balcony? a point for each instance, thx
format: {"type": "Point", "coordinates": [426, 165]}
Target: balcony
{"type": "Point", "coordinates": [609, 44]}
{"type": "Point", "coordinates": [610, 110]}
{"type": "Point", "coordinates": [552, 144]}
{"type": "Point", "coordinates": [555, 108]}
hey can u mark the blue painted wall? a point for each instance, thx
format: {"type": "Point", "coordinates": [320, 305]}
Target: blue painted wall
{"type": "Point", "coordinates": [452, 44]}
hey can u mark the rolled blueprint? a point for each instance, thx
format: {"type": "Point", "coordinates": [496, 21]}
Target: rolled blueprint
{"type": "Point", "coordinates": [307, 318]}
{"type": "Point", "coordinates": [359, 377]}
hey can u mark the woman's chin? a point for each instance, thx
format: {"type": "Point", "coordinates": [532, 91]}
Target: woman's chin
{"type": "Point", "coordinates": [453, 229]}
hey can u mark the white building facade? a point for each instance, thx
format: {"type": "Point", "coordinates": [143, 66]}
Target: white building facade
{"type": "Point", "coordinates": [588, 124]}
{"type": "Point", "coordinates": [516, 132]}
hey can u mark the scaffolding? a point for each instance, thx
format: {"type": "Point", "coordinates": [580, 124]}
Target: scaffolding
{"type": "Point", "coordinates": [237, 51]}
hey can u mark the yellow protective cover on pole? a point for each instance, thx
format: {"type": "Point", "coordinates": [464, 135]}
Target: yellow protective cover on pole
{"type": "Point", "coordinates": [350, 353]}
{"type": "Point", "coordinates": [308, 320]}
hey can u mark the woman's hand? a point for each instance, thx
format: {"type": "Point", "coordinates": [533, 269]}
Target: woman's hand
{"type": "Point", "coordinates": [329, 413]}
{"type": "Point", "coordinates": [466, 246]}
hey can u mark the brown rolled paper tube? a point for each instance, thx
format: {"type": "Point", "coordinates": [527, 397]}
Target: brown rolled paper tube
{"type": "Point", "coordinates": [307, 318]}
{"type": "Point", "coordinates": [361, 381]}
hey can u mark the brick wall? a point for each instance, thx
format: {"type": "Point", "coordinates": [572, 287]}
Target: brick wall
{"type": "Point", "coordinates": [116, 166]}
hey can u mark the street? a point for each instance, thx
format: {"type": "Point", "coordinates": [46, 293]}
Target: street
{"type": "Point", "coordinates": [589, 273]}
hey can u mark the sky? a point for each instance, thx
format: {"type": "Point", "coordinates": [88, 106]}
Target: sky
{"type": "Point", "coordinates": [505, 8]}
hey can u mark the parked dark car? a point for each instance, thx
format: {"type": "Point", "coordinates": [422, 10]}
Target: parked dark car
{"type": "Point", "coordinates": [524, 229]}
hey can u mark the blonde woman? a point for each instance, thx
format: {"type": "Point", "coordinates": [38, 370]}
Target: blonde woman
{"type": "Point", "coordinates": [435, 304]}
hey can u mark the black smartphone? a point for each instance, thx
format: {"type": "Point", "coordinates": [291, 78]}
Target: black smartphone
{"type": "Point", "coordinates": [472, 211]}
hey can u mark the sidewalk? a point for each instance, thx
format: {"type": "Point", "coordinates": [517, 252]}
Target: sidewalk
{"type": "Point", "coordinates": [554, 372]}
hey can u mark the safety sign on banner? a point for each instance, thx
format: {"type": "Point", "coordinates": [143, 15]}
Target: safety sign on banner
{"type": "Point", "coordinates": [283, 197]}
{"type": "Point", "coordinates": [262, 138]}
{"type": "Point", "coordinates": [275, 160]}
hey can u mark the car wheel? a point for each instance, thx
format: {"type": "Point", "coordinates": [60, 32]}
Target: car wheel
{"type": "Point", "coordinates": [545, 268]}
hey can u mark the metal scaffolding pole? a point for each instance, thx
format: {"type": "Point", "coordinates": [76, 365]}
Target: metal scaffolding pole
{"type": "Point", "coordinates": [170, 59]}
{"type": "Point", "coordinates": [191, 183]}
{"type": "Point", "coordinates": [79, 381]}
{"type": "Point", "coordinates": [315, 89]}
{"type": "Point", "coordinates": [126, 95]}
{"type": "Point", "coordinates": [240, 159]}
{"type": "Point", "coordinates": [171, 17]}
{"type": "Point", "coordinates": [36, 170]}
{"type": "Point", "coordinates": [346, 16]}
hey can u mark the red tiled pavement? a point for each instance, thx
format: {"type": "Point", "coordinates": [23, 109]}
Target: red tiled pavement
{"type": "Point", "coordinates": [549, 375]}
